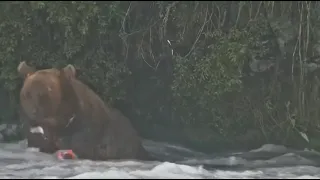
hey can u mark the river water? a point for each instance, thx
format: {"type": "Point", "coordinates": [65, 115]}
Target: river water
{"type": "Point", "coordinates": [269, 161]}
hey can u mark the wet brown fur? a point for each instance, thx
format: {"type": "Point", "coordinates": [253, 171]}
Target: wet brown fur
{"type": "Point", "coordinates": [50, 97]}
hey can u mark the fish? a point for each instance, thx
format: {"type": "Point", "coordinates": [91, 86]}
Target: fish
{"type": "Point", "coordinates": [38, 129]}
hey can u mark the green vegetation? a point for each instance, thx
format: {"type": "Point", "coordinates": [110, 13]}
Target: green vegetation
{"type": "Point", "coordinates": [237, 78]}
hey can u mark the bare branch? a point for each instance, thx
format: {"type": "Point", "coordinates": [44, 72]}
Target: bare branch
{"type": "Point", "coordinates": [293, 60]}
{"type": "Point", "coordinates": [166, 17]}
{"type": "Point", "coordinates": [258, 11]}
{"type": "Point", "coordinates": [239, 12]}
{"type": "Point", "coordinates": [123, 28]}
{"type": "Point", "coordinates": [308, 28]}
{"type": "Point", "coordinates": [200, 32]}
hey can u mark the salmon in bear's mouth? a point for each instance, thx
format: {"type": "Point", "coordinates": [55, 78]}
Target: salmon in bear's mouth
{"type": "Point", "coordinates": [39, 130]}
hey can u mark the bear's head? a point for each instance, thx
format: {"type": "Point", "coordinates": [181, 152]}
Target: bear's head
{"type": "Point", "coordinates": [47, 98]}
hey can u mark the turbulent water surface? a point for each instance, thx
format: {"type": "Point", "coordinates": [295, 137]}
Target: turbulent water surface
{"type": "Point", "coordinates": [269, 161]}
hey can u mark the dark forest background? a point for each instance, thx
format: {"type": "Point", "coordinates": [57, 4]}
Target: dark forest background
{"type": "Point", "coordinates": [234, 74]}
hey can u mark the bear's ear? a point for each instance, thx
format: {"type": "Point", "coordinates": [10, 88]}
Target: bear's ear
{"type": "Point", "coordinates": [69, 71]}
{"type": "Point", "coordinates": [25, 70]}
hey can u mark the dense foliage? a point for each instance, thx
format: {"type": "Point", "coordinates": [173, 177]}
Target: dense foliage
{"type": "Point", "coordinates": [240, 73]}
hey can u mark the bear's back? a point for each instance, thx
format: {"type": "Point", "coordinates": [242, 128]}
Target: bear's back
{"type": "Point", "coordinates": [118, 137]}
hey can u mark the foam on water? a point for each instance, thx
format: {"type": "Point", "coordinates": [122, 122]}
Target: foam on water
{"type": "Point", "coordinates": [17, 161]}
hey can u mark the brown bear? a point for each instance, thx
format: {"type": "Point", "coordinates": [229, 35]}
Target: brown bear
{"type": "Point", "coordinates": [72, 116]}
